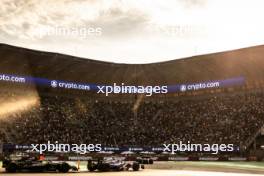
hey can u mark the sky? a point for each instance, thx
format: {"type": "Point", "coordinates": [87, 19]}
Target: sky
{"type": "Point", "coordinates": [132, 31]}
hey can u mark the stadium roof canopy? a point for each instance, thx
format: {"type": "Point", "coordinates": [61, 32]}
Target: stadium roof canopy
{"type": "Point", "coordinates": [247, 62]}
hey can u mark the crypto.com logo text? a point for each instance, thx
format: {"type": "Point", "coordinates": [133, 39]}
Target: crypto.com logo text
{"type": "Point", "coordinates": [198, 86]}
{"type": "Point", "coordinates": [69, 85]}
{"type": "Point", "coordinates": [128, 89]}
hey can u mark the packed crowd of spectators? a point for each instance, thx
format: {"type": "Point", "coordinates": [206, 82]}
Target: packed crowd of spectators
{"type": "Point", "coordinates": [2, 137]}
{"type": "Point", "coordinates": [230, 118]}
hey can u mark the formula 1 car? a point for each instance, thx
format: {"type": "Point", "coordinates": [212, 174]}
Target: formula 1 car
{"type": "Point", "coordinates": [31, 164]}
{"type": "Point", "coordinates": [112, 164]}
{"type": "Point", "coordinates": [145, 160]}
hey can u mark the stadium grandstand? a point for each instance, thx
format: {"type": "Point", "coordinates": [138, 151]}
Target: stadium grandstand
{"type": "Point", "coordinates": [231, 114]}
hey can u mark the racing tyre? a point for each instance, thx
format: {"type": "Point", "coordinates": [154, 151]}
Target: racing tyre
{"type": "Point", "coordinates": [135, 166]}
{"type": "Point", "coordinates": [91, 166]}
{"type": "Point", "coordinates": [11, 168]}
{"type": "Point", "coordinates": [64, 168]}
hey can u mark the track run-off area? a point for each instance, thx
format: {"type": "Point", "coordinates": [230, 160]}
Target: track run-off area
{"type": "Point", "coordinates": [174, 169]}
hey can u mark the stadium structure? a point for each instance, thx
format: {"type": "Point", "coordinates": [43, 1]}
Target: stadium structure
{"type": "Point", "coordinates": [232, 112]}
